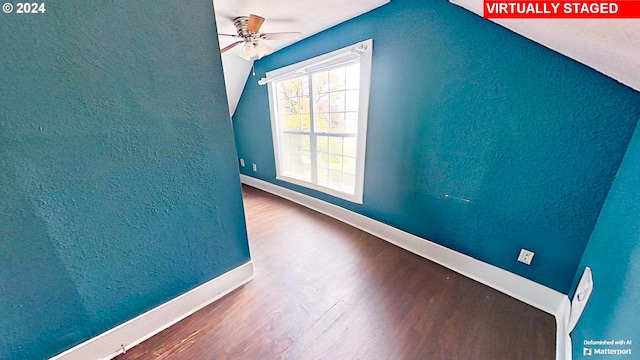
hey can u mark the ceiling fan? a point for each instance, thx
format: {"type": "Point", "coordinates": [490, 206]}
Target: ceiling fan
{"type": "Point", "coordinates": [248, 28]}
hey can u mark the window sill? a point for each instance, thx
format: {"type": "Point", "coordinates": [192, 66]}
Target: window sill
{"type": "Point", "coordinates": [335, 193]}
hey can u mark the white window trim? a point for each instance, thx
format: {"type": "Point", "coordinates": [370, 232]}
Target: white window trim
{"type": "Point", "coordinates": [365, 50]}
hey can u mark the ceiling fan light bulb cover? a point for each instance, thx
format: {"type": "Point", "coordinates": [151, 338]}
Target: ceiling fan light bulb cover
{"type": "Point", "coordinates": [248, 51]}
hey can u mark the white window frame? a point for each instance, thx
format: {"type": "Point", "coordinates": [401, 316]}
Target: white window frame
{"type": "Point", "coordinates": [364, 49]}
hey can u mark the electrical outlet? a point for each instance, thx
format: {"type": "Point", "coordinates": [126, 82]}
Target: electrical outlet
{"type": "Point", "coordinates": [255, 167]}
{"type": "Point", "coordinates": [242, 162]}
{"type": "Point", "coordinates": [525, 256]}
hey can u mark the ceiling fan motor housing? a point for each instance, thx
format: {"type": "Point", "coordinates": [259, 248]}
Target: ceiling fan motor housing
{"type": "Point", "coordinates": [241, 26]}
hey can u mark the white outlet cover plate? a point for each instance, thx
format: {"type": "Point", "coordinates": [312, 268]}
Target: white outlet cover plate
{"type": "Point", "coordinates": [526, 256]}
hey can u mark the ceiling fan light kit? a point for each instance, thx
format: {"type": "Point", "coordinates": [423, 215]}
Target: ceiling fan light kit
{"type": "Point", "coordinates": [248, 28]}
{"type": "Point", "coordinates": [255, 49]}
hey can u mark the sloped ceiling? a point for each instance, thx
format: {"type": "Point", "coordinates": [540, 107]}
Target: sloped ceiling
{"type": "Point", "coordinates": [306, 16]}
{"type": "Point", "coordinates": [610, 46]}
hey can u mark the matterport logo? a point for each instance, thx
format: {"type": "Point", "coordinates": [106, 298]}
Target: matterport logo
{"type": "Point", "coordinates": [591, 351]}
{"type": "Point", "coordinates": [622, 347]}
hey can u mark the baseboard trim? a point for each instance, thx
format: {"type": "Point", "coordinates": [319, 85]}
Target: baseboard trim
{"type": "Point", "coordinates": [110, 343]}
{"type": "Point", "coordinates": [518, 287]}
{"type": "Point", "coordinates": [563, 340]}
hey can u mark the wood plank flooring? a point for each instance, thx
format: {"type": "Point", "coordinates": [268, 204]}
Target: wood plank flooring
{"type": "Point", "coordinates": [325, 290]}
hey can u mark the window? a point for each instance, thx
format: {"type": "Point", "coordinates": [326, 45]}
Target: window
{"type": "Point", "coordinates": [319, 111]}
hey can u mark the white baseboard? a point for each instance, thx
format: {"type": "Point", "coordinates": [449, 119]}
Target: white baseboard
{"type": "Point", "coordinates": [110, 343]}
{"type": "Point", "coordinates": [525, 290]}
{"type": "Point", "coordinates": [563, 340]}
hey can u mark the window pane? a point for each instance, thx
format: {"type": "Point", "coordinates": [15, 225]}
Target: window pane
{"type": "Point", "coordinates": [337, 79]}
{"type": "Point", "coordinates": [353, 76]}
{"type": "Point", "coordinates": [291, 122]}
{"type": "Point", "coordinates": [337, 101]}
{"type": "Point", "coordinates": [304, 105]}
{"type": "Point", "coordinates": [335, 179]}
{"type": "Point", "coordinates": [305, 122]}
{"type": "Point", "coordinates": [294, 87]}
{"type": "Point", "coordinates": [295, 105]}
{"type": "Point", "coordinates": [349, 165]}
{"type": "Point", "coordinates": [284, 105]}
{"type": "Point", "coordinates": [321, 122]}
{"type": "Point", "coordinates": [322, 143]}
{"type": "Point", "coordinates": [352, 100]}
{"type": "Point", "coordinates": [289, 87]}
{"type": "Point", "coordinates": [335, 145]}
{"type": "Point", "coordinates": [321, 103]}
{"type": "Point", "coordinates": [349, 147]}
{"type": "Point", "coordinates": [321, 82]}
{"type": "Point", "coordinates": [295, 154]}
{"type": "Point", "coordinates": [284, 152]}
{"type": "Point", "coordinates": [323, 175]}
{"type": "Point", "coordinates": [335, 162]}
{"type": "Point", "coordinates": [283, 89]}
{"type": "Point", "coordinates": [304, 83]}
{"type": "Point", "coordinates": [291, 104]}
{"type": "Point", "coordinates": [296, 161]}
{"type": "Point", "coordinates": [323, 160]}
{"type": "Point", "coordinates": [337, 122]}
{"type": "Point", "coordinates": [306, 142]}
{"type": "Point", "coordinates": [295, 141]}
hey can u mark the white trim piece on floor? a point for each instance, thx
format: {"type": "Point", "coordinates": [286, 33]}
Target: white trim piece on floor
{"type": "Point", "coordinates": [516, 286]}
{"type": "Point", "coordinates": [129, 334]}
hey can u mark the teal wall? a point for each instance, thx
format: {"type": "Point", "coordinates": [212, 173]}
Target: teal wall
{"type": "Point", "coordinates": [118, 177]}
{"type": "Point", "coordinates": [462, 106]}
{"type": "Point", "coordinates": [613, 253]}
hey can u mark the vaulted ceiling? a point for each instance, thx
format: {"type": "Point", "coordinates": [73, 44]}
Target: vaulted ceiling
{"type": "Point", "coordinates": [306, 16]}
{"type": "Point", "coordinates": [610, 46]}
{"type": "Point", "coordinates": [588, 41]}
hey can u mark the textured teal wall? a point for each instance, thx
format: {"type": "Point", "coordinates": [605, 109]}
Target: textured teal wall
{"type": "Point", "coordinates": [464, 107]}
{"type": "Point", "coordinates": [613, 253]}
{"type": "Point", "coordinates": [118, 177]}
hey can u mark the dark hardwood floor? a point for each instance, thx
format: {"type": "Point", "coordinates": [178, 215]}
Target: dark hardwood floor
{"type": "Point", "coordinates": [325, 290]}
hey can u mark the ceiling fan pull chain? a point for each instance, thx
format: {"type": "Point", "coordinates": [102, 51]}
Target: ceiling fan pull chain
{"type": "Point", "coordinates": [253, 68]}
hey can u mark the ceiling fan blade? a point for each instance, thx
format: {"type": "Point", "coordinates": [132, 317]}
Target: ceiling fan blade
{"type": "Point", "coordinates": [254, 23]}
{"type": "Point", "coordinates": [229, 47]}
{"type": "Point", "coordinates": [281, 36]}
{"type": "Point", "coordinates": [232, 35]}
